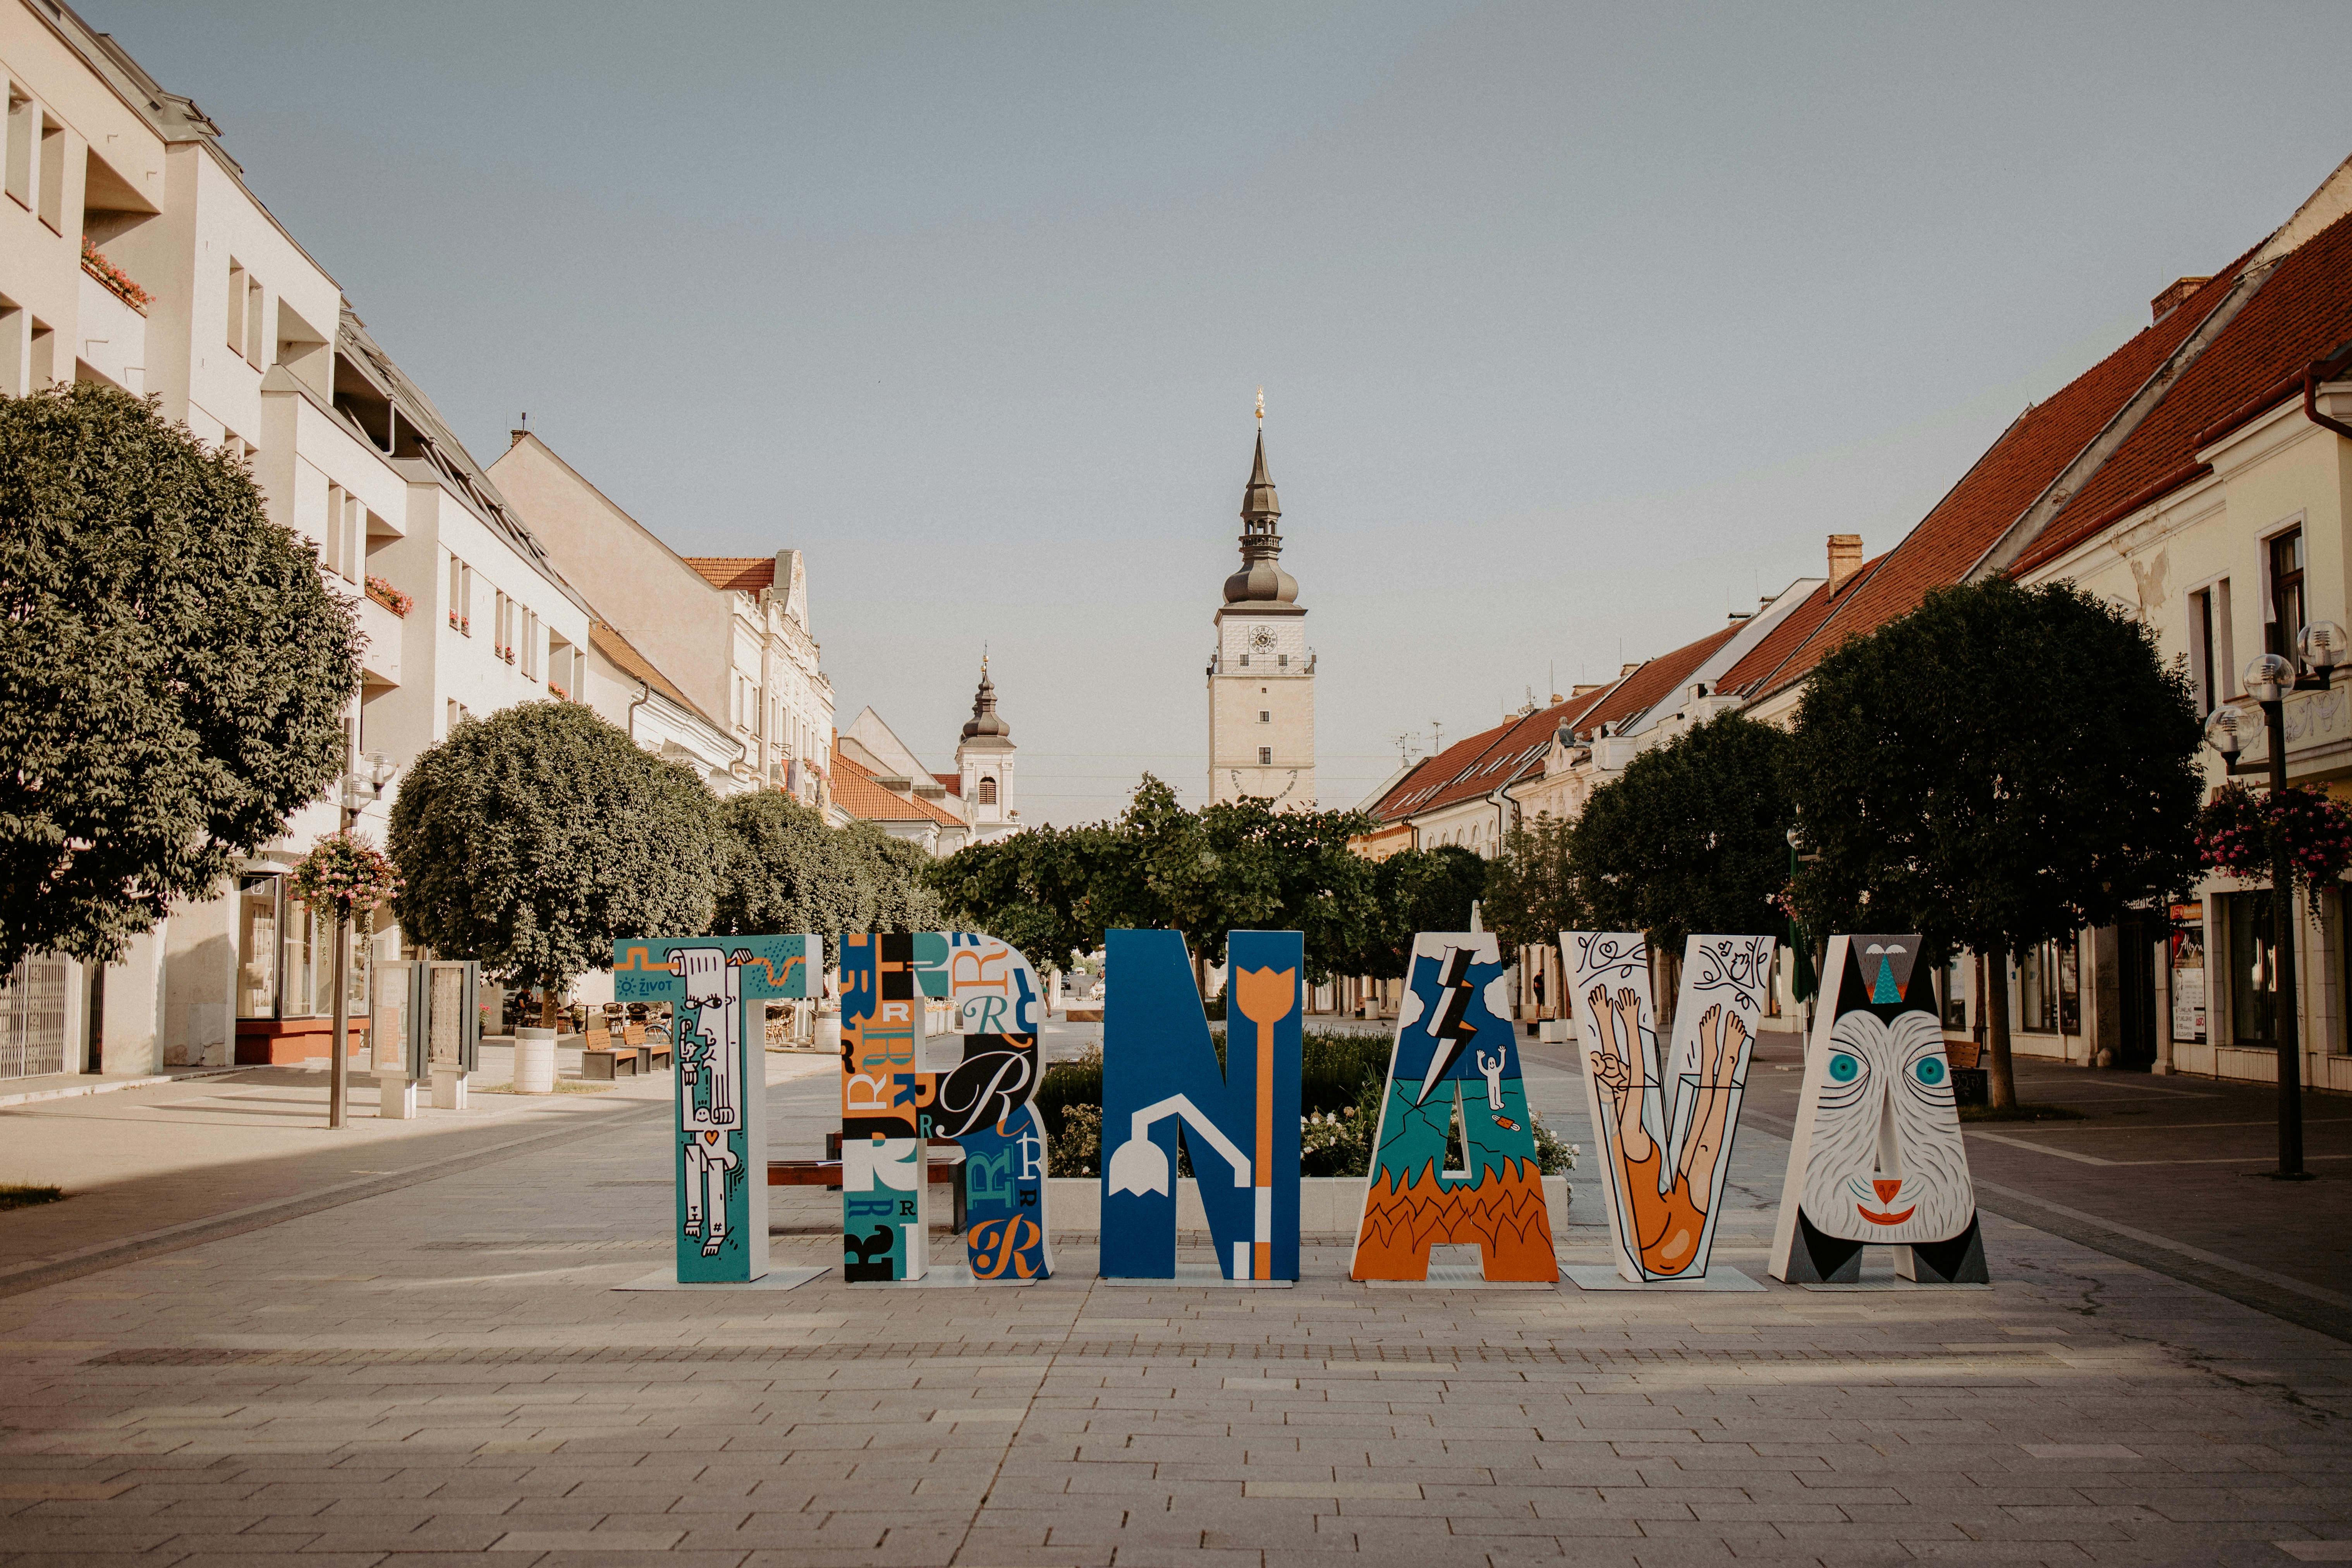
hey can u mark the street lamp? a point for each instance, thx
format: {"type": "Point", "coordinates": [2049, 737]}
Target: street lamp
{"type": "Point", "coordinates": [361, 784]}
{"type": "Point", "coordinates": [2269, 678]}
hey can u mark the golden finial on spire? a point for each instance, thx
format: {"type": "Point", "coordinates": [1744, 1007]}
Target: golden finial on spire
{"type": "Point", "coordinates": [1261, 405]}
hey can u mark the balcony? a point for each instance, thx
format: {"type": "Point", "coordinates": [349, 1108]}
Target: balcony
{"type": "Point", "coordinates": [379, 660]}
{"type": "Point", "coordinates": [113, 339]}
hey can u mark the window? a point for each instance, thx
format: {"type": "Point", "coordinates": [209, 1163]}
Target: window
{"type": "Point", "coordinates": [988, 791]}
{"type": "Point", "coordinates": [1282, 660]}
{"type": "Point", "coordinates": [2187, 968]}
{"type": "Point", "coordinates": [52, 195]}
{"type": "Point", "coordinates": [256, 947]}
{"type": "Point", "coordinates": [2286, 594]}
{"type": "Point", "coordinates": [1264, 755]}
{"type": "Point", "coordinates": [1265, 716]}
{"type": "Point", "coordinates": [12, 343]}
{"type": "Point", "coordinates": [23, 130]}
{"type": "Point", "coordinates": [256, 348]}
{"type": "Point", "coordinates": [42, 367]}
{"type": "Point", "coordinates": [236, 333]}
{"type": "Point", "coordinates": [331, 544]}
{"type": "Point", "coordinates": [1245, 661]}
{"type": "Point", "coordinates": [2050, 990]}
{"type": "Point", "coordinates": [2208, 661]}
{"type": "Point", "coordinates": [1954, 987]}
{"type": "Point", "coordinates": [2253, 980]}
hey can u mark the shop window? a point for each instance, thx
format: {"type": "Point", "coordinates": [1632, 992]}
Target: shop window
{"type": "Point", "coordinates": [1953, 979]}
{"type": "Point", "coordinates": [256, 947]}
{"type": "Point", "coordinates": [2186, 956]}
{"type": "Point", "coordinates": [2049, 989]}
{"type": "Point", "coordinates": [2253, 980]}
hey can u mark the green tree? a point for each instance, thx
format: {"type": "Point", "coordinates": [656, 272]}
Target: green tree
{"type": "Point", "coordinates": [892, 879]}
{"type": "Point", "coordinates": [1036, 890]}
{"type": "Point", "coordinates": [1530, 894]}
{"type": "Point", "coordinates": [174, 672]}
{"type": "Point", "coordinates": [1230, 866]}
{"type": "Point", "coordinates": [1692, 837]}
{"type": "Point", "coordinates": [1414, 890]}
{"type": "Point", "coordinates": [2004, 765]}
{"type": "Point", "coordinates": [782, 869]}
{"type": "Point", "coordinates": [531, 839]}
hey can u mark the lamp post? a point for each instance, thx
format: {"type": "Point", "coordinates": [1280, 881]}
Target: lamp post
{"type": "Point", "coordinates": [2268, 680]}
{"type": "Point", "coordinates": [357, 789]}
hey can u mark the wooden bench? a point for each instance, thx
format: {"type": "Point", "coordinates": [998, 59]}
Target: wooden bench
{"type": "Point", "coordinates": [826, 1173]}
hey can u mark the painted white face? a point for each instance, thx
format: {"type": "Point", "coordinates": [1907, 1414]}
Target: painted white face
{"type": "Point", "coordinates": [1887, 1164]}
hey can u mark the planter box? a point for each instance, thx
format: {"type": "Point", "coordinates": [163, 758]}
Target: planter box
{"type": "Point", "coordinates": [1326, 1205]}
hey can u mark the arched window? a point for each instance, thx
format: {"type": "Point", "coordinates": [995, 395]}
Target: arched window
{"type": "Point", "coordinates": [988, 791]}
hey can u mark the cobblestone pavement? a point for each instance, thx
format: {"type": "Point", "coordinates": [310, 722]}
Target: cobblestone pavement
{"type": "Point", "coordinates": [445, 1369]}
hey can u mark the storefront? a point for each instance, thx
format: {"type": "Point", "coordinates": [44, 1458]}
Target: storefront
{"type": "Point", "coordinates": [285, 976]}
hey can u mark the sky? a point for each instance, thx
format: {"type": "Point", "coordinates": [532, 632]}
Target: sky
{"type": "Point", "coordinates": [1578, 326]}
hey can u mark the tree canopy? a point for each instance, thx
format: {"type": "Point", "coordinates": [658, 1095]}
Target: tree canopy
{"type": "Point", "coordinates": [2002, 766]}
{"type": "Point", "coordinates": [1530, 895]}
{"type": "Point", "coordinates": [176, 672]}
{"type": "Point", "coordinates": [1229, 866]}
{"type": "Point", "coordinates": [1412, 891]}
{"type": "Point", "coordinates": [531, 839]}
{"type": "Point", "coordinates": [1692, 837]}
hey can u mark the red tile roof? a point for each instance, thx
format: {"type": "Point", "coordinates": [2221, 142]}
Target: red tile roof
{"type": "Point", "coordinates": [2302, 313]}
{"type": "Point", "coordinates": [1790, 635]}
{"type": "Point", "coordinates": [748, 572]}
{"type": "Point", "coordinates": [855, 791]}
{"type": "Point", "coordinates": [952, 783]}
{"type": "Point", "coordinates": [1656, 680]}
{"type": "Point", "coordinates": [1483, 763]}
{"type": "Point", "coordinates": [1996, 491]}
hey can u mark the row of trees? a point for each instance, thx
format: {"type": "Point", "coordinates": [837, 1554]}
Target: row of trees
{"type": "Point", "coordinates": [1229, 866]}
{"type": "Point", "coordinates": [535, 838]}
{"type": "Point", "coordinates": [2001, 767]}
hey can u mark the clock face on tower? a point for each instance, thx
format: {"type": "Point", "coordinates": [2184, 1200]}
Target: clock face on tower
{"type": "Point", "coordinates": [1262, 640]}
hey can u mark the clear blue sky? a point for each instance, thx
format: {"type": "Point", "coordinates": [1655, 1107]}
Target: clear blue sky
{"type": "Point", "coordinates": [1578, 324]}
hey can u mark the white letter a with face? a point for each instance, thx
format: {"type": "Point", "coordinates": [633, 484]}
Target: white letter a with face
{"type": "Point", "coordinates": [1877, 1155]}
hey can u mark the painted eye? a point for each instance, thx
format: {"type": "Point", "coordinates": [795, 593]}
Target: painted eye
{"type": "Point", "coordinates": [1844, 1067]}
{"type": "Point", "coordinates": [1930, 1071]}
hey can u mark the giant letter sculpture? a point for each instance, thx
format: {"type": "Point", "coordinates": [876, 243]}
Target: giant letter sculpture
{"type": "Point", "coordinates": [1664, 1127]}
{"type": "Point", "coordinates": [1877, 1155]}
{"type": "Point", "coordinates": [716, 987]}
{"type": "Point", "coordinates": [1453, 1063]}
{"type": "Point", "coordinates": [1241, 1125]}
{"type": "Point", "coordinates": [891, 1108]}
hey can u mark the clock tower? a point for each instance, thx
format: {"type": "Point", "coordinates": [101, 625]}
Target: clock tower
{"type": "Point", "coordinates": [1261, 676]}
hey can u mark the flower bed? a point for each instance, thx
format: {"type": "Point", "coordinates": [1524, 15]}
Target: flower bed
{"type": "Point", "coordinates": [116, 282]}
{"type": "Point", "coordinates": [390, 597]}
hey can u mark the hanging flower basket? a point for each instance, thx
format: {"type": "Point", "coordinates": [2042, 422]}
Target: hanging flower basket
{"type": "Point", "coordinates": [2240, 834]}
{"type": "Point", "coordinates": [345, 874]}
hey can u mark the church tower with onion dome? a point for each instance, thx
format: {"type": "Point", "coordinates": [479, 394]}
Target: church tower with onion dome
{"type": "Point", "coordinates": [1261, 676]}
{"type": "Point", "coordinates": [985, 766]}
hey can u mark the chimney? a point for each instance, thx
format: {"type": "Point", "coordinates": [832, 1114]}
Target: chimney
{"type": "Point", "coordinates": [1845, 558]}
{"type": "Point", "coordinates": [2162, 305]}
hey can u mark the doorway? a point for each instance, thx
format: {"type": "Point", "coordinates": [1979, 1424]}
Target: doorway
{"type": "Point", "coordinates": [2136, 934]}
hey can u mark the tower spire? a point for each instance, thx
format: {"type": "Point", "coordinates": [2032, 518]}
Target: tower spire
{"type": "Point", "coordinates": [1261, 577]}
